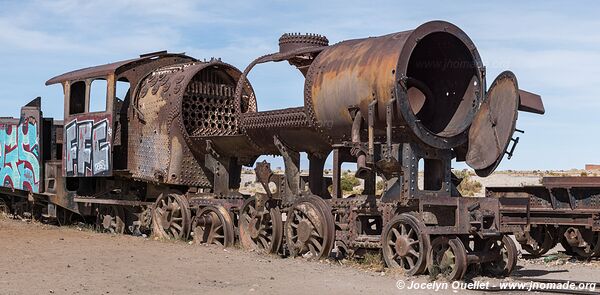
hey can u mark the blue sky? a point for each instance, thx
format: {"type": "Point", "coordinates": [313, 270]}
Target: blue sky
{"type": "Point", "coordinates": [553, 49]}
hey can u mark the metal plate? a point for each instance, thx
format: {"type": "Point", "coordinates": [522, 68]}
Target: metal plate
{"type": "Point", "coordinates": [494, 125]}
{"type": "Point", "coordinates": [571, 181]}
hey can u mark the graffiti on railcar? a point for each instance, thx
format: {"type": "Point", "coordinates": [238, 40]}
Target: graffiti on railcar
{"type": "Point", "coordinates": [20, 155]}
{"type": "Point", "coordinates": [87, 147]}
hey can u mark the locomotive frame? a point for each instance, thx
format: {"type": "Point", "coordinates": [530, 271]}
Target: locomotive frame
{"type": "Point", "coordinates": [167, 158]}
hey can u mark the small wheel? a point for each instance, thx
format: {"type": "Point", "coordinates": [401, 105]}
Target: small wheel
{"type": "Point", "coordinates": [261, 229]}
{"type": "Point", "coordinates": [64, 216]}
{"type": "Point", "coordinates": [447, 257]}
{"type": "Point", "coordinates": [473, 244]}
{"type": "Point", "coordinates": [405, 245]}
{"type": "Point", "coordinates": [213, 225]}
{"type": "Point", "coordinates": [145, 220]}
{"type": "Point", "coordinates": [564, 243]}
{"type": "Point", "coordinates": [4, 209]}
{"type": "Point", "coordinates": [473, 270]}
{"type": "Point", "coordinates": [171, 217]}
{"type": "Point", "coordinates": [544, 239]}
{"type": "Point", "coordinates": [568, 249]}
{"type": "Point", "coordinates": [589, 241]}
{"type": "Point", "coordinates": [310, 228]}
{"type": "Point", "coordinates": [506, 250]}
{"type": "Point", "coordinates": [111, 219]}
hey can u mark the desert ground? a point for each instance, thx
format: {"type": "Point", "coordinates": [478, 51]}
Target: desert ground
{"type": "Point", "coordinates": [45, 259]}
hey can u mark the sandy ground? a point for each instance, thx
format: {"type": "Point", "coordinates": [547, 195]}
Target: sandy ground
{"type": "Point", "coordinates": [504, 180]}
{"type": "Point", "coordinates": [44, 259]}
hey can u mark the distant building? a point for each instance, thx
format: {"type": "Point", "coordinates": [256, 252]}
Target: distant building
{"type": "Point", "coordinates": [590, 167]}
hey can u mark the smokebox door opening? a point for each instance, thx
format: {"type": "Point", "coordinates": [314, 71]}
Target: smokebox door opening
{"type": "Point", "coordinates": [442, 84]}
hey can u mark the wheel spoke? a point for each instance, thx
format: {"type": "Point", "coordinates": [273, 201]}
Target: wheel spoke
{"type": "Point", "coordinates": [316, 243]}
{"type": "Point", "coordinates": [174, 232]}
{"type": "Point", "coordinates": [317, 227]}
{"type": "Point", "coordinates": [176, 226]}
{"type": "Point", "coordinates": [264, 242]}
{"type": "Point", "coordinates": [262, 232]}
{"type": "Point", "coordinates": [413, 253]}
{"type": "Point", "coordinates": [411, 263]}
{"type": "Point", "coordinates": [312, 249]}
{"type": "Point", "coordinates": [218, 228]}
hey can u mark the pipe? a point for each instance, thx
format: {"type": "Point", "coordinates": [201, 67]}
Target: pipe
{"type": "Point", "coordinates": [371, 128]}
{"type": "Point", "coordinates": [389, 119]}
{"type": "Point", "coordinates": [361, 158]}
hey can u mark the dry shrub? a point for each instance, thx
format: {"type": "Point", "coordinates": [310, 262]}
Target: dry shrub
{"type": "Point", "coordinates": [468, 187]}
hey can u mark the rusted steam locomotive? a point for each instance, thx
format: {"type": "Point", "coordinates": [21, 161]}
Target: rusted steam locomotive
{"type": "Point", "coordinates": [168, 155]}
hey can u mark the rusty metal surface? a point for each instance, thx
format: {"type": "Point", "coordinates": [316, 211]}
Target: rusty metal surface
{"type": "Point", "coordinates": [82, 139]}
{"type": "Point", "coordinates": [291, 42]}
{"type": "Point", "coordinates": [111, 202]}
{"type": "Point", "coordinates": [290, 125]}
{"type": "Point", "coordinates": [567, 205]}
{"type": "Point", "coordinates": [111, 68]}
{"type": "Point", "coordinates": [356, 72]}
{"type": "Point", "coordinates": [400, 106]}
{"type": "Point", "coordinates": [150, 154]}
{"type": "Point", "coordinates": [531, 102]}
{"type": "Point", "coordinates": [155, 141]}
{"type": "Point", "coordinates": [571, 181]}
{"type": "Point", "coordinates": [180, 107]}
{"type": "Point", "coordinates": [294, 42]}
{"type": "Point", "coordinates": [207, 109]}
{"type": "Point", "coordinates": [494, 125]}
{"type": "Point", "coordinates": [285, 118]}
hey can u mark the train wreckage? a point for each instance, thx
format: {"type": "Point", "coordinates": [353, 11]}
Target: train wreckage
{"type": "Point", "coordinates": [168, 155]}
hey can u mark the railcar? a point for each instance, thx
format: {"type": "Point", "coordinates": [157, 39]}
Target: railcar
{"type": "Point", "coordinates": [561, 210]}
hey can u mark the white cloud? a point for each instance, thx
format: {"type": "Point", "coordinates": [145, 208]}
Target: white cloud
{"type": "Point", "coordinates": [19, 38]}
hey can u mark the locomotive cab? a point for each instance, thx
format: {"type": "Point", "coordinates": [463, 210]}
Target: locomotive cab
{"type": "Point", "coordinates": [89, 113]}
{"type": "Point", "coordinates": [95, 134]}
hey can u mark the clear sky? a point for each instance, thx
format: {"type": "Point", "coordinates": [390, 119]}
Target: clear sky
{"type": "Point", "coordinates": [552, 46]}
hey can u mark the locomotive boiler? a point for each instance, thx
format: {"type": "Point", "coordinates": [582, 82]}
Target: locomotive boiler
{"type": "Point", "coordinates": [168, 155]}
